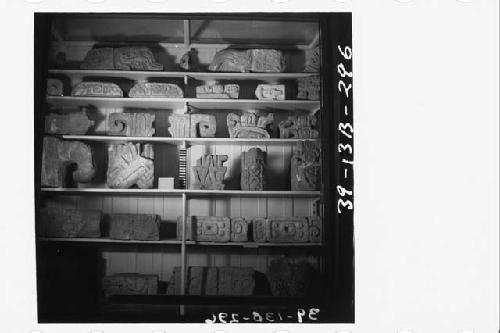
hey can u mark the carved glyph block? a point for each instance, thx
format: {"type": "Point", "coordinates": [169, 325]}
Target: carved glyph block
{"type": "Point", "coordinates": [76, 123]}
{"type": "Point", "coordinates": [134, 226]}
{"type": "Point", "coordinates": [270, 92]}
{"type": "Point", "coordinates": [205, 228]}
{"type": "Point", "coordinates": [305, 167]}
{"type": "Point", "coordinates": [195, 280]}
{"type": "Point", "coordinates": [155, 89]}
{"type": "Point", "coordinates": [260, 229]}
{"type": "Point", "coordinates": [180, 125]}
{"type": "Point", "coordinates": [253, 165]}
{"type": "Point", "coordinates": [209, 172]}
{"type": "Point", "coordinates": [128, 165]}
{"type": "Point", "coordinates": [236, 281]}
{"type": "Point", "coordinates": [59, 156]}
{"type": "Point", "coordinates": [97, 89]}
{"type": "Point", "coordinates": [313, 62]}
{"type": "Point", "coordinates": [249, 125]}
{"type": "Point", "coordinates": [55, 87]}
{"type": "Point", "coordinates": [203, 125]}
{"type": "Point", "coordinates": [69, 223]}
{"type": "Point", "coordinates": [255, 60]}
{"type": "Point", "coordinates": [289, 229]}
{"type": "Point", "coordinates": [130, 284]}
{"type": "Point", "coordinates": [309, 88]}
{"type": "Point", "coordinates": [239, 229]}
{"type": "Point", "coordinates": [218, 91]}
{"type": "Point", "coordinates": [131, 124]}
{"type": "Point", "coordinates": [299, 127]}
{"type": "Point", "coordinates": [128, 58]}
{"type": "Point", "coordinates": [315, 229]}
{"type": "Point", "coordinates": [212, 281]}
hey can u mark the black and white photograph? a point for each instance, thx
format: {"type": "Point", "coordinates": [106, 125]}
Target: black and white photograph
{"type": "Point", "coordinates": [228, 166]}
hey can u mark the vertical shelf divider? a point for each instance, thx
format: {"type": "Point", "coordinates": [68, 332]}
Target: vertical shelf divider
{"type": "Point", "coordinates": [183, 250]}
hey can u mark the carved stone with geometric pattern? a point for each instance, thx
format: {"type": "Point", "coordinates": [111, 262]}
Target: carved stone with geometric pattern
{"type": "Point", "coordinates": [130, 284]}
{"type": "Point", "coordinates": [129, 165]}
{"type": "Point", "coordinates": [305, 166]}
{"type": "Point", "coordinates": [131, 124]}
{"type": "Point", "coordinates": [249, 125]}
{"type": "Point", "coordinates": [253, 165]}
{"type": "Point", "coordinates": [299, 127]}
{"type": "Point", "coordinates": [209, 172]}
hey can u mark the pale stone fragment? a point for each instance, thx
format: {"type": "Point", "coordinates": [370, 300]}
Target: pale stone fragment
{"type": "Point", "coordinates": [75, 123]}
{"type": "Point", "coordinates": [249, 125]}
{"type": "Point", "coordinates": [239, 229]}
{"type": "Point", "coordinates": [155, 89]}
{"type": "Point", "coordinates": [128, 166]}
{"type": "Point", "coordinates": [299, 127]}
{"type": "Point", "coordinates": [255, 60]}
{"type": "Point", "coordinates": [59, 156]}
{"type": "Point", "coordinates": [267, 60]}
{"type": "Point", "coordinates": [313, 62]}
{"type": "Point", "coordinates": [130, 284]}
{"type": "Point", "coordinates": [68, 223]}
{"type": "Point", "coordinates": [270, 92]}
{"type": "Point", "coordinates": [55, 87]}
{"type": "Point", "coordinates": [131, 124]}
{"type": "Point", "coordinates": [180, 125]}
{"type": "Point", "coordinates": [218, 91]}
{"type": "Point", "coordinates": [261, 231]}
{"type": "Point", "coordinates": [143, 227]}
{"type": "Point", "coordinates": [203, 125]}
{"type": "Point", "coordinates": [136, 58]}
{"type": "Point", "coordinates": [305, 166]}
{"type": "Point", "coordinates": [253, 166]}
{"type": "Point", "coordinates": [209, 172]}
{"type": "Point", "coordinates": [189, 60]}
{"type": "Point", "coordinates": [289, 229]}
{"type": "Point", "coordinates": [166, 183]}
{"type": "Point", "coordinates": [96, 89]}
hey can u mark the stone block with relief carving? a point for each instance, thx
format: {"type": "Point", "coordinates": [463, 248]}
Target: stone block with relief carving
{"type": "Point", "coordinates": [135, 58]}
{"type": "Point", "coordinates": [96, 89]}
{"type": "Point", "coordinates": [155, 89]}
{"type": "Point", "coordinates": [239, 229]}
{"type": "Point", "coordinates": [253, 165]}
{"type": "Point", "coordinates": [305, 167]}
{"type": "Point", "coordinates": [315, 229]}
{"type": "Point", "coordinates": [55, 87]}
{"type": "Point", "coordinates": [260, 229]}
{"type": "Point", "coordinates": [60, 157]}
{"type": "Point", "coordinates": [205, 228]}
{"type": "Point", "coordinates": [270, 92]}
{"type": "Point", "coordinates": [203, 125]}
{"type": "Point", "coordinates": [236, 281]}
{"type": "Point", "coordinates": [130, 284]}
{"type": "Point", "coordinates": [249, 125]}
{"type": "Point", "coordinates": [143, 227]}
{"type": "Point", "coordinates": [288, 229]}
{"type": "Point", "coordinates": [69, 223]}
{"type": "Point", "coordinates": [299, 127]}
{"type": "Point", "coordinates": [180, 125]}
{"type": "Point", "coordinates": [253, 60]}
{"type": "Point", "coordinates": [218, 91]}
{"type": "Point", "coordinates": [131, 124]}
{"type": "Point", "coordinates": [309, 88]}
{"type": "Point", "coordinates": [130, 164]}
{"type": "Point", "coordinates": [209, 172]}
{"type": "Point", "coordinates": [75, 123]}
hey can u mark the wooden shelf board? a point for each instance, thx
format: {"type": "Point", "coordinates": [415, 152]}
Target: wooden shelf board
{"type": "Point", "coordinates": [179, 141]}
{"type": "Point", "coordinates": [202, 76]}
{"type": "Point", "coordinates": [254, 244]}
{"type": "Point", "coordinates": [179, 103]}
{"type": "Point", "coordinates": [189, 193]}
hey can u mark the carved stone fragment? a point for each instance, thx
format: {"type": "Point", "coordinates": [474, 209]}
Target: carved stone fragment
{"type": "Point", "coordinates": [174, 285]}
{"type": "Point", "coordinates": [128, 58]}
{"type": "Point", "coordinates": [315, 229]}
{"type": "Point", "coordinates": [58, 157]}
{"type": "Point", "coordinates": [130, 284]}
{"type": "Point", "coordinates": [76, 123]}
{"type": "Point", "coordinates": [69, 223]}
{"type": "Point", "coordinates": [289, 229]}
{"type": "Point", "coordinates": [249, 125]}
{"type": "Point", "coordinates": [239, 229]}
{"type": "Point", "coordinates": [313, 62]}
{"type": "Point", "coordinates": [189, 61]}
{"type": "Point", "coordinates": [299, 127]}
{"type": "Point", "coordinates": [97, 89]}
{"type": "Point", "coordinates": [195, 280]}
{"type": "Point", "coordinates": [131, 124]}
{"type": "Point", "coordinates": [260, 229]}
{"type": "Point", "coordinates": [236, 281]}
{"type": "Point", "coordinates": [212, 281]}
{"type": "Point", "coordinates": [180, 125]}
{"type": "Point", "coordinates": [155, 89]}
{"type": "Point", "coordinates": [203, 125]}
{"type": "Point", "coordinates": [209, 172]}
{"type": "Point", "coordinates": [305, 167]}
{"type": "Point", "coordinates": [205, 228]}
{"type": "Point", "coordinates": [143, 227]}
{"type": "Point", "coordinates": [256, 60]}
{"type": "Point", "coordinates": [218, 91]}
{"type": "Point", "coordinates": [293, 280]}
{"type": "Point", "coordinates": [309, 88]}
{"type": "Point", "coordinates": [270, 92]}
{"type": "Point", "coordinates": [253, 165]}
{"type": "Point", "coordinates": [55, 87]}
{"type": "Point", "coordinates": [128, 165]}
